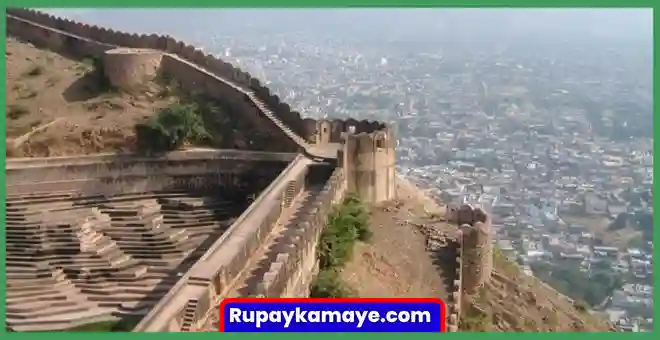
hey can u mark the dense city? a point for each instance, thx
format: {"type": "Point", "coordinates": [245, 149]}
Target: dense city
{"type": "Point", "coordinates": [552, 136]}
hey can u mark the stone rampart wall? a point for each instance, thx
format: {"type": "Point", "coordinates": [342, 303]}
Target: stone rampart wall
{"type": "Point", "coordinates": [225, 259]}
{"type": "Point", "coordinates": [293, 256]}
{"type": "Point", "coordinates": [476, 245]}
{"type": "Point", "coordinates": [324, 131]}
{"type": "Point", "coordinates": [454, 302]}
{"type": "Point", "coordinates": [108, 174]}
{"type": "Point", "coordinates": [198, 72]}
{"type": "Point", "coordinates": [369, 160]}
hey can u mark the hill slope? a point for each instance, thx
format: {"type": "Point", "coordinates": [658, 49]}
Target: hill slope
{"type": "Point", "coordinates": [515, 302]}
{"type": "Point", "coordinates": [395, 263]}
{"type": "Point", "coordinates": [65, 101]}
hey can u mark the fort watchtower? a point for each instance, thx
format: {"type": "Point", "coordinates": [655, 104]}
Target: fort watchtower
{"type": "Point", "coordinates": [368, 160]}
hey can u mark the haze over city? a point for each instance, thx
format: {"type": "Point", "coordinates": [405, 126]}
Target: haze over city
{"type": "Point", "coordinates": [541, 118]}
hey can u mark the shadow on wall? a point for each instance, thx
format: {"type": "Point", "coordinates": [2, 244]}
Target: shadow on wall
{"type": "Point", "coordinates": [91, 85]}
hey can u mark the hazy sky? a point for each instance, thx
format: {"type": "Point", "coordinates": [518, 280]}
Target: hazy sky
{"type": "Point", "coordinates": [580, 24]}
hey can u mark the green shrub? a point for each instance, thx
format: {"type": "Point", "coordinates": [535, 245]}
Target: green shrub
{"type": "Point", "coordinates": [473, 322]}
{"type": "Point", "coordinates": [170, 129]}
{"type": "Point", "coordinates": [328, 284]}
{"type": "Point", "coordinates": [347, 224]}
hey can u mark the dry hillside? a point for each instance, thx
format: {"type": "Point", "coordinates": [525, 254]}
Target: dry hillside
{"type": "Point", "coordinates": [66, 105]}
{"type": "Point", "coordinates": [57, 106]}
{"type": "Point", "coordinates": [515, 302]}
{"type": "Point", "coordinates": [395, 263]}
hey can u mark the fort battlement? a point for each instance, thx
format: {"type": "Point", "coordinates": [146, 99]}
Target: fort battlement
{"type": "Point", "coordinates": [56, 33]}
{"type": "Point", "coordinates": [292, 273]}
{"type": "Point", "coordinates": [270, 249]}
{"type": "Point", "coordinates": [327, 131]}
{"type": "Point", "coordinates": [476, 245]}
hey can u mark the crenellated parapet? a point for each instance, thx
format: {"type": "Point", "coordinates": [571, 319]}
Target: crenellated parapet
{"type": "Point", "coordinates": [349, 156]}
{"type": "Point", "coordinates": [326, 131]}
{"type": "Point", "coordinates": [81, 40]}
{"type": "Point", "coordinates": [295, 265]}
{"type": "Point", "coordinates": [455, 298]}
{"type": "Point", "coordinates": [476, 245]}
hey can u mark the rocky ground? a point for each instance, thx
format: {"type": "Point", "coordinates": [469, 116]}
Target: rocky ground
{"type": "Point", "coordinates": [397, 263]}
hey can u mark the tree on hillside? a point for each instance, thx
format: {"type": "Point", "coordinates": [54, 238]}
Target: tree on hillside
{"type": "Point", "coordinates": [170, 129]}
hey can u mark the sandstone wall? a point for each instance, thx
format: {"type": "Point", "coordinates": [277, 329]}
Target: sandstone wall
{"type": "Point", "coordinates": [455, 299]}
{"type": "Point", "coordinates": [289, 276]}
{"type": "Point", "coordinates": [325, 131]}
{"type": "Point", "coordinates": [108, 173]}
{"type": "Point", "coordinates": [225, 259]}
{"type": "Point", "coordinates": [476, 245]}
{"type": "Point", "coordinates": [296, 261]}
{"type": "Point", "coordinates": [368, 160]}
{"type": "Point", "coordinates": [200, 72]}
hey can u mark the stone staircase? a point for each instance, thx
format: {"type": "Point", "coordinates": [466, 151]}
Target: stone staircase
{"type": "Point", "coordinates": [276, 120]}
{"type": "Point", "coordinates": [289, 194]}
{"type": "Point", "coordinates": [199, 216]}
{"type": "Point", "coordinates": [71, 263]}
{"type": "Point", "coordinates": [40, 295]}
{"type": "Point", "coordinates": [248, 282]}
{"type": "Point", "coordinates": [189, 315]}
{"type": "Point", "coordinates": [139, 230]}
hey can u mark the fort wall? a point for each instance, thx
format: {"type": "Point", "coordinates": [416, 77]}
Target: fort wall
{"type": "Point", "coordinates": [125, 173]}
{"type": "Point", "coordinates": [216, 270]}
{"type": "Point", "coordinates": [292, 273]}
{"type": "Point", "coordinates": [369, 168]}
{"type": "Point", "coordinates": [365, 159]}
{"type": "Point", "coordinates": [195, 71]}
{"type": "Point", "coordinates": [476, 246]}
{"type": "Point", "coordinates": [368, 160]}
{"type": "Point", "coordinates": [325, 131]}
{"type": "Point", "coordinates": [98, 39]}
{"type": "Point", "coordinates": [454, 300]}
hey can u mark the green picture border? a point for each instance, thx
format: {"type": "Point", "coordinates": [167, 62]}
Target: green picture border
{"type": "Point", "coordinates": [310, 4]}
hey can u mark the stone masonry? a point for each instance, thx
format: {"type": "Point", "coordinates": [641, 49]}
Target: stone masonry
{"type": "Point", "coordinates": [89, 271]}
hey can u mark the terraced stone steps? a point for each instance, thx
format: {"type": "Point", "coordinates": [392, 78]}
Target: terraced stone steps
{"type": "Point", "coordinates": [84, 258]}
{"type": "Point", "coordinates": [78, 199]}
{"type": "Point", "coordinates": [27, 300]}
{"type": "Point", "coordinates": [198, 216]}
{"type": "Point", "coordinates": [189, 315]}
{"type": "Point", "coordinates": [137, 226]}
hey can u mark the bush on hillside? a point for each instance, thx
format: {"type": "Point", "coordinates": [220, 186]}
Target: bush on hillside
{"type": "Point", "coordinates": [170, 129]}
{"type": "Point", "coordinates": [347, 224]}
{"type": "Point", "coordinates": [328, 284]}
